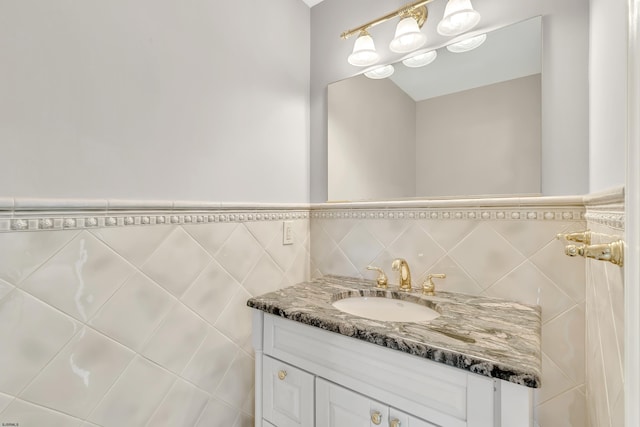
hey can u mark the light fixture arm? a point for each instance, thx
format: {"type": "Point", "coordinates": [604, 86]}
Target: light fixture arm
{"type": "Point", "coordinates": [416, 10]}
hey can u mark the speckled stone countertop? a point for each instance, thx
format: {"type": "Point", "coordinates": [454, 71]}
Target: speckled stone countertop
{"type": "Point", "coordinates": [487, 336]}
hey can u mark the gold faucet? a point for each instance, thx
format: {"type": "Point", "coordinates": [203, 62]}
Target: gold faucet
{"type": "Point", "coordinates": [401, 265]}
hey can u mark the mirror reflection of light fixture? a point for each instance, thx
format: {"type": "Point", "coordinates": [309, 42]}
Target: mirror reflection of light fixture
{"type": "Point", "coordinates": [408, 36]}
{"type": "Point", "coordinates": [381, 72]}
{"type": "Point", "coordinates": [420, 59]}
{"type": "Point", "coordinates": [364, 51]}
{"type": "Point", "coordinates": [459, 17]}
{"type": "Point", "coordinates": [467, 44]}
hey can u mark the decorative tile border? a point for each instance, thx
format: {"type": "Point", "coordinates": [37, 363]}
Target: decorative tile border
{"type": "Point", "coordinates": [476, 214]}
{"type": "Point", "coordinates": [606, 208]}
{"type": "Point", "coordinates": [65, 214]}
{"type": "Point", "coordinates": [64, 220]}
{"type": "Point", "coordinates": [69, 221]}
{"type": "Point", "coordinates": [612, 218]}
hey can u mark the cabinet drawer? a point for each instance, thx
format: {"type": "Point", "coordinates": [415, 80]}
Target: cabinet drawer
{"type": "Point", "coordinates": [288, 394]}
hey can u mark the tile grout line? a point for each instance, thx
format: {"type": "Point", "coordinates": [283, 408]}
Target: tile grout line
{"type": "Point", "coordinates": [135, 354]}
{"type": "Point", "coordinates": [599, 349]}
{"type": "Point", "coordinates": [235, 358]}
{"type": "Point", "coordinates": [110, 388]}
{"type": "Point", "coordinates": [573, 383]}
{"type": "Point", "coordinates": [57, 411]}
{"type": "Point", "coordinates": [20, 282]}
{"type": "Point", "coordinates": [95, 233]}
{"type": "Point", "coordinates": [162, 400]}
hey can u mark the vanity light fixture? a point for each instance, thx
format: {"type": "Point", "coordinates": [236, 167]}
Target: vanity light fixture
{"type": "Point", "coordinates": [459, 17]}
{"type": "Point", "coordinates": [381, 72]}
{"type": "Point", "coordinates": [408, 36]}
{"type": "Point", "coordinates": [364, 51]}
{"type": "Point", "coordinates": [467, 44]}
{"type": "Point", "coordinates": [420, 59]}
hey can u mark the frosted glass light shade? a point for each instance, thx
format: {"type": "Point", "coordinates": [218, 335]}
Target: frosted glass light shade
{"type": "Point", "coordinates": [381, 72]}
{"type": "Point", "coordinates": [467, 44]}
{"type": "Point", "coordinates": [364, 52]}
{"type": "Point", "coordinates": [421, 59]}
{"type": "Point", "coordinates": [408, 37]}
{"type": "Point", "coordinates": [459, 17]}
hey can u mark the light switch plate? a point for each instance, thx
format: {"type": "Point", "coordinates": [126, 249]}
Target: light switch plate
{"type": "Point", "coordinates": [287, 233]}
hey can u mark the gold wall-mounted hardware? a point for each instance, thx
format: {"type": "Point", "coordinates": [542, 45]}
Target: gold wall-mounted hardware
{"type": "Point", "coordinates": [428, 287]}
{"type": "Point", "coordinates": [394, 423]}
{"type": "Point", "coordinates": [612, 252]}
{"type": "Point", "coordinates": [382, 279]}
{"type": "Point", "coordinates": [282, 374]}
{"type": "Point", "coordinates": [416, 10]}
{"type": "Point", "coordinates": [579, 237]}
{"type": "Point", "coordinates": [376, 417]}
{"type": "Point", "coordinates": [400, 264]}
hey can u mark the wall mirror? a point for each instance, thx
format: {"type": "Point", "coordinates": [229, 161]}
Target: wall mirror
{"type": "Point", "coordinates": [468, 124]}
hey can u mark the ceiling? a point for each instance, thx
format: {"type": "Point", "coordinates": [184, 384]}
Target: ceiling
{"type": "Point", "coordinates": [509, 53]}
{"type": "Point", "coordinates": [312, 3]}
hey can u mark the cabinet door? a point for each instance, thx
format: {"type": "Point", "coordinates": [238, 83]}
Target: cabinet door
{"type": "Point", "coordinates": [339, 407]}
{"type": "Point", "coordinates": [400, 419]}
{"type": "Point", "coordinates": [287, 394]}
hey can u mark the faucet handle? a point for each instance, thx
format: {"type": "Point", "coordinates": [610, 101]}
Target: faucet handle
{"type": "Point", "coordinates": [428, 287]}
{"type": "Point", "coordinates": [580, 237]}
{"type": "Point", "coordinates": [382, 277]}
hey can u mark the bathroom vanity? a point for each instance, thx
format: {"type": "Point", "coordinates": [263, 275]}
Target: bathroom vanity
{"type": "Point", "coordinates": [474, 365]}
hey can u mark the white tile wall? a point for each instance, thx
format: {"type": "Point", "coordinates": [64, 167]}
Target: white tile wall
{"type": "Point", "coordinates": [137, 325]}
{"type": "Point", "coordinates": [605, 331]}
{"type": "Point", "coordinates": [149, 324]}
{"type": "Point", "coordinates": [80, 374]}
{"type": "Point", "coordinates": [514, 259]}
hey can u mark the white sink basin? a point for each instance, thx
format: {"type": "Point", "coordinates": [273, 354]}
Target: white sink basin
{"type": "Point", "coordinates": [386, 309]}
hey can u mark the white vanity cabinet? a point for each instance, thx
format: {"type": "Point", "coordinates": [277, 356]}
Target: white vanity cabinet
{"type": "Point", "coordinates": [309, 377]}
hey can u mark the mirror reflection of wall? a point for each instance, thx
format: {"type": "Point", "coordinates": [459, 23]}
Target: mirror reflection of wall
{"type": "Point", "coordinates": [466, 125]}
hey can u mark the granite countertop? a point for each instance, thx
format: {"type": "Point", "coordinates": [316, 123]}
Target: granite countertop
{"type": "Point", "coordinates": [487, 336]}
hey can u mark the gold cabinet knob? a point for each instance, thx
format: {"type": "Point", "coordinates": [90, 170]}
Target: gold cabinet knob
{"type": "Point", "coordinates": [282, 374]}
{"type": "Point", "coordinates": [394, 423]}
{"type": "Point", "coordinates": [376, 417]}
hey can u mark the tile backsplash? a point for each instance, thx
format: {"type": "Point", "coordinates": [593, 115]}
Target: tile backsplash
{"type": "Point", "coordinates": [134, 314]}
{"type": "Point", "coordinates": [122, 322]}
{"type": "Point", "coordinates": [505, 251]}
{"type": "Point", "coordinates": [605, 326]}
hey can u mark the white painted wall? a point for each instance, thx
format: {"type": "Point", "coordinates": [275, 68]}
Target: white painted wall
{"type": "Point", "coordinates": [373, 125]}
{"type": "Point", "coordinates": [155, 99]}
{"type": "Point", "coordinates": [565, 155]}
{"type": "Point", "coordinates": [608, 92]}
